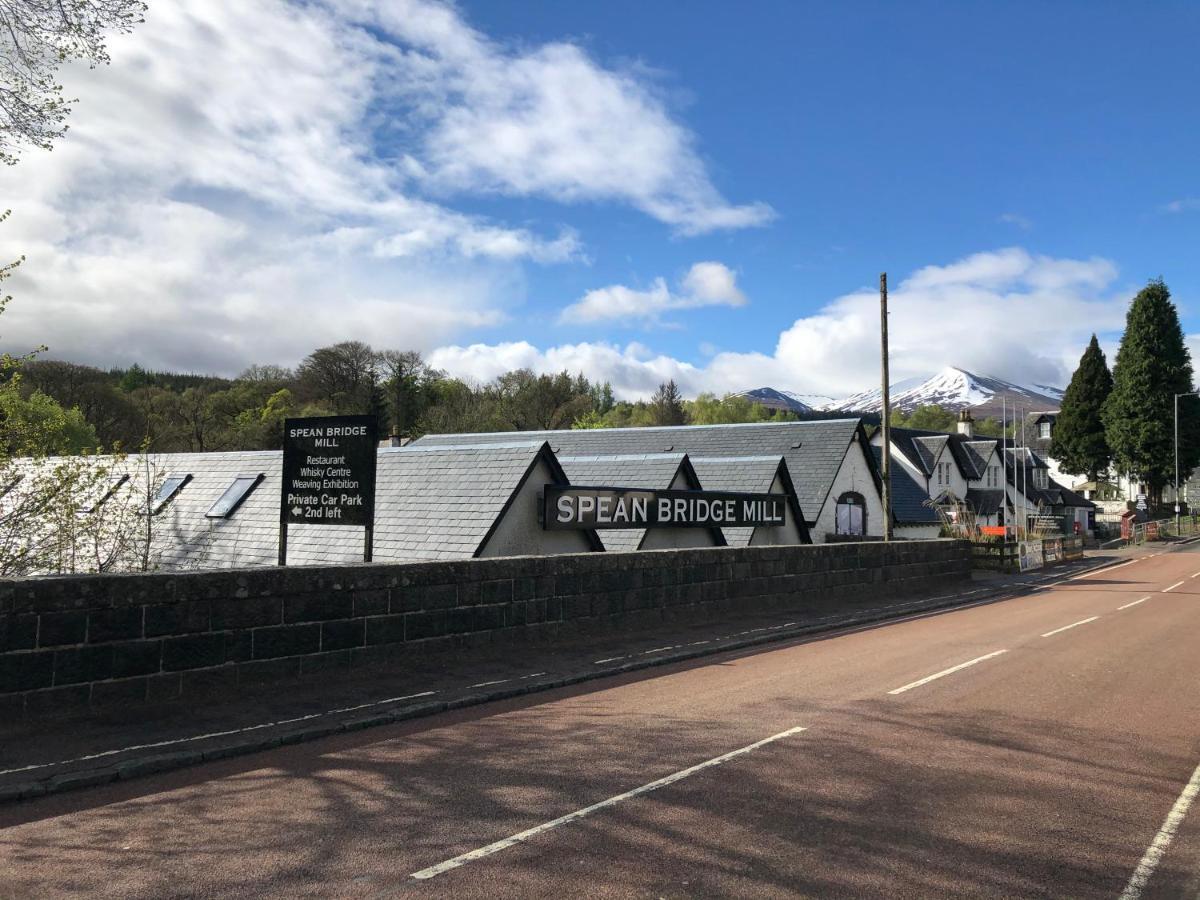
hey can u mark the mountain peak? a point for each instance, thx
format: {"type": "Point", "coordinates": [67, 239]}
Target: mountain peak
{"type": "Point", "coordinates": [955, 388]}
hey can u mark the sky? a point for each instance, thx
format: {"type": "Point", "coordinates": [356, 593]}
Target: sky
{"type": "Point", "coordinates": [636, 191]}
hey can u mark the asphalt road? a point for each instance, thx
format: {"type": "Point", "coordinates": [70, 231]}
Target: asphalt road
{"type": "Point", "coordinates": [1050, 757]}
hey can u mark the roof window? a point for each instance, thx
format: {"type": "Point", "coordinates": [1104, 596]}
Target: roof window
{"type": "Point", "coordinates": [234, 496]}
{"type": "Point", "coordinates": [171, 486]}
{"type": "Point", "coordinates": [114, 485]}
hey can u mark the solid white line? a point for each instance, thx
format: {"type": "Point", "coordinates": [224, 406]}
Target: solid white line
{"type": "Point", "coordinates": [944, 672]}
{"type": "Point", "coordinates": [521, 836]}
{"type": "Point", "coordinates": [1134, 603]}
{"type": "Point", "coordinates": [1072, 625]}
{"type": "Point", "coordinates": [1162, 840]}
{"type": "Point", "coordinates": [211, 734]}
{"type": "Point", "coordinates": [1106, 569]}
{"type": "Point", "coordinates": [1172, 587]}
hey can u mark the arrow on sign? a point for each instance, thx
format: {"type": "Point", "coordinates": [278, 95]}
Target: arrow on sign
{"type": "Point", "coordinates": [297, 511]}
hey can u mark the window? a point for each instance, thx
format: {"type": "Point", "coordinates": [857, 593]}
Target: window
{"type": "Point", "coordinates": [234, 496]}
{"type": "Point", "coordinates": [851, 514]}
{"type": "Point", "coordinates": [171, 486]}
{"type": "Point", "coordinates": [1044, 431]}
{"type": "Point", "coordinates": [114, 485]}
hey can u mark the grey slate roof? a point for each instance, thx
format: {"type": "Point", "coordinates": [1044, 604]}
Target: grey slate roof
{"type": "Point", "coordinates": [654, 471]}
{"type": "Point", "coordinates": [985, 502]}
{"type": "Point", "coordinates": [431, 504]}
{"type": "Point", "coordinates": [739, 474]}
{"type": "Point", "coordinates": [814, 450]}
{"type": "Point", "coordinates": [908, 497]}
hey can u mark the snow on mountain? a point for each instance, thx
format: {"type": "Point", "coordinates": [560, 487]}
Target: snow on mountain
{"type": "Point", "coordinates": [786, 400]}
{"type": "Point", "coordinates": [955, 389]}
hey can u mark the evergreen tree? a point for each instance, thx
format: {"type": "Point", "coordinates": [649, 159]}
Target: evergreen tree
{"type": "Point", "coordinates": [1079, 442]}
{"type": "Point", "coordinates": [1153, 365]}
{"type": "Point", "coordinates": [667, 405]}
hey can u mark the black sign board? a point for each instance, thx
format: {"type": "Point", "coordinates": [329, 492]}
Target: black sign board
{"type": "Point", "coordinates": [566, 508]}
{"type": "Point", "coordinates": [328, 474]}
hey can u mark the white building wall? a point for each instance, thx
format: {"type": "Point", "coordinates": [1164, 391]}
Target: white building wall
{"type": "Point", "coordinates": [788, 533]}
{"type": "Point", "coordinates": [519, 533]}
{"type": "Point", "coordinates": [854, 475]}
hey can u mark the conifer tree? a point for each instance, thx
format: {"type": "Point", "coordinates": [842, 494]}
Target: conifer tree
{"type": "Point", "coordinates": [1153, 365]}
{"type": "Point", "coordinates": [667, 405]}
{"type": "Point", "coordinates": [1079, 442]}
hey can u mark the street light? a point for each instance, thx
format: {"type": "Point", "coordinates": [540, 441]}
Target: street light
{"type": "Point", "coordinates": [1177, 396]}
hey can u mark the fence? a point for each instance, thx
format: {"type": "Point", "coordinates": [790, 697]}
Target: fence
{"type": "Point", "coordinates": [1021, 556]}
{"type": "Point", "coordinates": [1163, 529]}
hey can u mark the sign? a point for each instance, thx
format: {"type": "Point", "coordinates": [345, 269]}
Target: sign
{"type": "Point", "coordinates": [328, 474]}
{"type": "Point", "coordinates": [1029, 555]}
{"type": "Point", "coordinates": [1052, 550]}
{"type": "Point", "coordinates": [1141, 502]}
{"type": "Point", "coordinates": [566, 508]}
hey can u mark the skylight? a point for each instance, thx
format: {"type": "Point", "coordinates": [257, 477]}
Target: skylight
{"type": "Point", "coordinates": [171, 486]}
{"type": "Point", "coordinates": [234, 495]}
{"type": "Point", "coordinates": [114, 485]}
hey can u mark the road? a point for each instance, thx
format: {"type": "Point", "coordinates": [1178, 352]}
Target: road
{"type": "Point", "coordinates": [1042, 746]}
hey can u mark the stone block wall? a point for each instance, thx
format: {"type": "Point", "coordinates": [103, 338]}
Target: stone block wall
{"type": "Point", "coordinates": [87, 642]}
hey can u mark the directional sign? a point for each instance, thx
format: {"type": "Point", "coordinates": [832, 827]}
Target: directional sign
{"type": "Point", "coordinates": [329, 471]}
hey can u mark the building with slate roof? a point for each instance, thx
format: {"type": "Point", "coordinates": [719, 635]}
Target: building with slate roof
{"type": "Point", "coordinates": [913, 516]}
{"type": "Point", "coordinates": [432, 503]}
{"type": "Point", "coordinates": [651, 471]}
{"type": "Point", "coordinates": [830, 461]}
{"type": "Point", "coordinates": [755, 475]}
{"type": "Point", "coordinates": [962, 467]}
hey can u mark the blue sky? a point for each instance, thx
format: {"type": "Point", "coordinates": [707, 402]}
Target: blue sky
{"type": "Point", "coordinates": [705, 191]}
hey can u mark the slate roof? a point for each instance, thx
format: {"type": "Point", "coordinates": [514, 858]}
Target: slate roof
{"type": "Point", "coordinates": [749, 475]}
{"type": "Point", "coordinates": [655, 471]}
{"type": "Point", "coordinates": [814, 450]}
{"type": "Point", "coordinates": [985, 502]}
{"type": "Point", "coordinates": [431, 504]}
{"type": "Point", "coordinates": [908, 497]}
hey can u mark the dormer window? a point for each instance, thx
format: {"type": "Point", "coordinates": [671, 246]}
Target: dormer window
{"type": "Point", "coordinates": [1044, 430]}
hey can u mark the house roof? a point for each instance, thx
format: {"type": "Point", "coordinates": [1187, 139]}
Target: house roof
{"type": "Point", "coordinates": [431, 504]}
{"type": "Point", "coordinates": [653, 471]}
{"type": "Point", "coordinates": [908, 498]}
{"type": "Point", "coordinates": [814, 450]}
{"type": "Point", "coordinates": [752, 475]}
{"type": "Point", "coordinates": [985, 502]}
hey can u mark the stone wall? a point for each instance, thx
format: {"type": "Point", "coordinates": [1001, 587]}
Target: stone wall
{"type": "Point", "coordinates": [89, 642]}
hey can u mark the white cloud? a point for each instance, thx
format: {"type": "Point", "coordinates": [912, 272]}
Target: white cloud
{"type": "Point", "coordinates": [545, 121]}
{"type": "Point", "coordinates": [1010, 218]}
{"type": "Point", "coordinates": [1184, 204]}
{"type": "Point", "coordinates": [705, 284]}
{"type": "Point", "coordinates": [1006, 313]}
{"type": "Point", "coordinates": [247, 181]}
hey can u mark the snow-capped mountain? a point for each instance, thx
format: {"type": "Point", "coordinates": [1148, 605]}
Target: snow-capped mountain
{"type": "Point", "coordinates": [786, 400]}
{"type": "Point", "coordinates": [955, 389]}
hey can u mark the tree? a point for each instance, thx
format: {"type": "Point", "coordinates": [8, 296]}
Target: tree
{"type": "Point", "coordinates": [36, 37]}
{"type": "Point", "coordinates": [1078, 441]}
{"type": "Point", "coordinates": [667, 405]}
{"type": "Point", "coordinates": [1153, 365]}
{"type": "Point", "coordinates": [342, 376]}
{"type": "Point", "coordinates": [406, 388]}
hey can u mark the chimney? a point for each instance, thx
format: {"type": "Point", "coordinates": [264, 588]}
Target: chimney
{"type": "Point", "coordinates": [966, 424]}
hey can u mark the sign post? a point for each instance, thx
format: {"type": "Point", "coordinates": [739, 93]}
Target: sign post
{"type": "Point", "coordinates": [328, 475]}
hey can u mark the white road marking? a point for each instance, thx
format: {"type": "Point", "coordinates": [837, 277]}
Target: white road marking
{"type": "Point", "coordinates": [1134, 603]}
{"type": "Point", "coordinates": [1105, 570]}
{"type": "Point", "coordinates": [1196, 575]}
{"type": "Point", "coordinates": [945, 672]}
{"type": "Point", "coordinates": [608, 659]}
{"type": "Point", "coordinates": [1072, 625]}
{"type": "Point", "coordinates": [488, 683]}
{"type": "Point", "coordinates": [532, 675]}
{"type": "Point", "coordinates": [1162, 840]}
{"type": "Point", "coordinates": [212, 734]}
{"type": "Point", "coordinates": [522, 836]}
{"type": "Point", "coordinates": [1172, 587]}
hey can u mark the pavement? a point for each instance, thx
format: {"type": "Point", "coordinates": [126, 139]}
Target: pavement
{"type": "Point", "coordinates": [1043, 745]}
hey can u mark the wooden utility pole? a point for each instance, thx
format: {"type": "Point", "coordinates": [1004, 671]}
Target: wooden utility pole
{"type": "Point", "coordinates": [886, 416]}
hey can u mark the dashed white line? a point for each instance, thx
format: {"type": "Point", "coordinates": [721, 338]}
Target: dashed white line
{"type": "Point", "coordinates": [1172, 587]}
{"type": "Point", "coordinates": [1072, 625]}
{"type": "Point", "coordinates": [1195, 575]}
{"type": "Point", "coordinates": [522, 836]}
{"type": "Point", "coordinates": [1162, 840]}
{"type": "Point", "coordinates": [489, 683]}
{"type": "Point", "coordinates": [608, 659]}
{"type": "Point", "coordinates": [945, 672]}
{"type": "Point", "coordinates": [1134, 603]}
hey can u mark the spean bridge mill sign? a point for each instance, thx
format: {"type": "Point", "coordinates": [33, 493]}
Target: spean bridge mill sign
{"type": "Point", "coordinates": [328, 475]}
{"type": "Point", "coordinates": [567, 508]}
